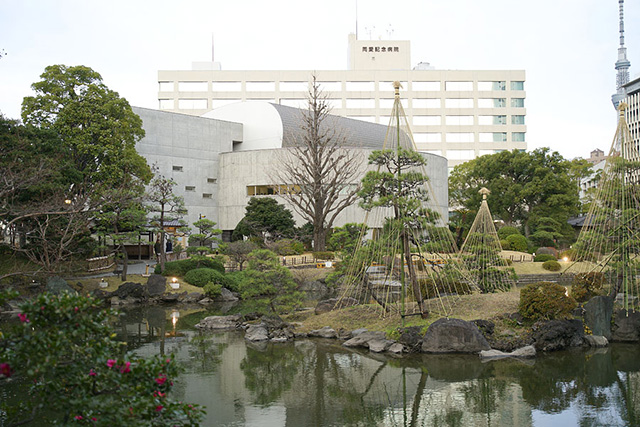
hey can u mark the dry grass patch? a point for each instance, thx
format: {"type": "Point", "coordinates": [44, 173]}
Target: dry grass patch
{"type": "Point", "coordinates": [468, 307]}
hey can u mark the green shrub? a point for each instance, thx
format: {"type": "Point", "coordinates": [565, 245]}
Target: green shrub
{"type": "Point", "coordinates": [517, 242]}
{"type": "Point", "coordinates": [287, 247]}
{"type": "Point", "coordinates": [587, 285]}
{"type": "Point", "coordinates": [507, 231]}
{"type": "Point", "coordinates": [544, 257]}
{"type": "Point", "coordinates": [181, 267]}
{"type": "Point", "coordinates": [212, 290]}
{"type": "Point", "coordinates": [548, 251]}
{"type": "Point", "coordinates": [325, 255]}
{"type": "Point", "coordinates": [201, 276]}
{"type": "Point", "coordinates": [551, 265]}
{"type": "Point", "coordinates": [504, 243]}
{"type": "Point", "coordinates": [545, 300]}
{"type": "Point", "coordinates": [508, 261]}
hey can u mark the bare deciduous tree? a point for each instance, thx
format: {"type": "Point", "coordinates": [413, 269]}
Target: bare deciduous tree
{"type": "Point", "coordinates": [317, 174]}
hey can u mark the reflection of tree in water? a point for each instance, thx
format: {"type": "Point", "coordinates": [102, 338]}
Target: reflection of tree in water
{"type": "Point", "coordinates": [485, 396]}
{"type": "Point", "coordinates": [206, 349]}
{"type": "Point", "coordinates": [270, 371]}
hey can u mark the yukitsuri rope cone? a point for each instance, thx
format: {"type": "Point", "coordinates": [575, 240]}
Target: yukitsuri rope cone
{"type": "Point", "coordinates": [480, 253]}
{"type": "Point", "coordinates": [606, 255]}
{"type": "Point", "coordinates": [405, 261]}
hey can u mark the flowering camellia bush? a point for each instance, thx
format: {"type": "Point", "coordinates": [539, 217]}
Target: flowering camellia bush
{"type": "Point", "coordinates": [73, 369]}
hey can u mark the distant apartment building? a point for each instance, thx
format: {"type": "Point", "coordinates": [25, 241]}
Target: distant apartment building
{"type": "Point", "coordinates": [459, 114]}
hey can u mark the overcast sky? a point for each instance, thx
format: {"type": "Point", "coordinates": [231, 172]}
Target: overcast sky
{"type": "Point", "coordinates": [567, 47]}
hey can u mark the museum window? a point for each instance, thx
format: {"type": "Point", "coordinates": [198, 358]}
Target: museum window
{"type": "Point", "coordinates": [177, 168]}
{"type": "Point", "coordinates": [212, 180]}
{"type": "Point", "coordinates": [517, 102]}
{"type": "Point", "coordinates": [189, 188]}
{"type": "Point", "coordinates": [517, 85]}
{"type": "Point", "coordinates": [206, 195]}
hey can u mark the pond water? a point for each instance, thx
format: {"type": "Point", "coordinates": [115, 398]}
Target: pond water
{"type": "Point", "coordinates": [314, 382]}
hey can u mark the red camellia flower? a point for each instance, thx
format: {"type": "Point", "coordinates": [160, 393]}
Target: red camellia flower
{"type": "Point", "coordinates": [126, 368]}
{"type": "Point", "coordinates": [111, 363]}
{"type": "Point", "coordinates": [161, 380]}
{"type": "Point", "coordinates": [5, 369]}
{"type": "Point", "coordinates": [78, 417]}
{"type": "Point", "coordinates": [92, 373]}
{"type": "Point", "coordinates": [23, 318]}
{"type": "Point", "coordinates": [159, 408]}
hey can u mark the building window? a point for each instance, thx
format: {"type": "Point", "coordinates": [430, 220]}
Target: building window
{"type": "Point", "coordinates": [492, 136]}
{"type": "Point", "coordinates": [293, 86]}
{"type": "Point", "coordinates": [193, 86]}
{"type": "Point", "coordinates": [427, 137]}
{"type": "Point", "coordinates": [459, 120]}
{"type": "Point", "coordinates": [517, 85]}
{"type": "Point", "coordinates": [206, 195]}
{"type": "Point", "coordinates": [458, 103]}
{"type": "Point", "coordinates": [189, 188]}
{"type": "Point", "coordinates": [460, 137]}
{"type": "Point", "coordinates": [192, 104]}
{"type": "Point", "coordinates": [517, 136]}
{"type": "Point", "coordinates": [492, 102]}
{"type": "Point", "coordinates": [517, 120]}
{"type": "Point", "coordinates": [426, 86]}
{"type": "Point", "coordinates": [167, 104]}
{"type": "Point", "coordinates": [177, 168]}
{"type": "Point", "coordinates": [361, 103]}
{"type": "Point", "coordinates": [212, 180]}
{"type": "Point", "coordinates": [260, 86]}
{"type": "Point", "coordinates": [330, 86]}
{"type": "Point", "coordinates": [427, 103]}
{"type": "Point", "coordinates": [517, 102]}
{"type": "Point", "coordinates": [492, 120]}
{"type": "Point", "coordinates": [387, 103]}
{"type": "Point", "coordinates": [226, 86]}
{"type": "Point", "coordinates": [388, 86]}
{"type": "Point", "coordinates": [458, 86]}
{"type": "Point", "coordinates": [427, 120]}
{"type": "Point", "coordinates": [360, 87]}
{"type": "Point", "coordinates": [165, 86]}
{"type": "Point", "coordinates": [460, 154]}
{"type": "Point", "coordinates": [488, 86]}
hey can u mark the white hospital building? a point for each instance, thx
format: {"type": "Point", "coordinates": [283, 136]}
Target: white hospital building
{"type": "Point", "coordinates": [458, 114]}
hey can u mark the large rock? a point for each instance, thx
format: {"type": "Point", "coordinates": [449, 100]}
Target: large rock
{"type": "Point", "coordinates": [330, 304]}
{"type": "Point", "coordinates": [378, 346]}
{"type": "Point", "coordinates": [57, 285]}
{"type": "Point", "coordinates": [597, 315]}
{"type": "Point", "coordinates": [453, 336]}
{"type": "Point", "coordinates": [411, 338]}
{"type": "Point", "coordinates": [362, 339]}
{"type": "Point", "coordinates": [558, 334]}
{"type": "Point", "coordinates": [596, 341]}
{"type": "Point", "coordinates": [627, 326]}
{"type": "Point", "coordinates": [524, 352]}
{"type": "Point", "coordinates": [325, 332]}
{"type": "Point", "coordinates": [226, 296]}
{"type": "Point", "coordinates": [130, 290]}
{"type": "Point", "coordinates": [220, 323]}
{"type": "Point", "coordinates": [256, 333]}
{"type": "Point", "coordinates": [156, 285]}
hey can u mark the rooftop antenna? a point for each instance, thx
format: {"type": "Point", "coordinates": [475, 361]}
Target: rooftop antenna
{"type": "Point", "coordinates": [212, 50]}
{"type": "Point", "coordinates": [356, 19]}
{"type": "Point", "coordinates": [622, 64]}
{"type": "Point", "coordinates": [370, 30]}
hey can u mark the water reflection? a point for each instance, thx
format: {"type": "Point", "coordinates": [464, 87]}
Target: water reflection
{"type": "Point", "coordinates": [320, 383]}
